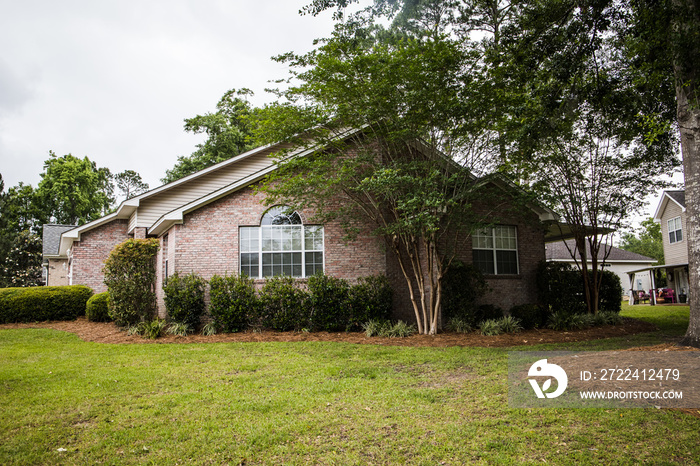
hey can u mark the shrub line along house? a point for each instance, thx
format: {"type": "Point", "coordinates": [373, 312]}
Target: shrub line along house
{"type": "Point", "coordinates": [214, 222]}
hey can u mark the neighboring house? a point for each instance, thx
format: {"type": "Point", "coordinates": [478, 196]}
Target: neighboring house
{"type": "Point", "coordinates": [54, 266]}
{"type": "Point", "coordinates": [215, 222]}
{"type": "Point", "coordinates": [671, 214]}
{"type": "Point", "coordinates": [618, 261]}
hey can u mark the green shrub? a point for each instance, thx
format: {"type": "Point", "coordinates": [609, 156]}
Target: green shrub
{"type": "Point", "coordinates": [400, 329]}
{"type": "Point", "coordinates": [283, 305]}
{"type": "Point", "coordinates": [233, 302]}
{"type": "Point", "coordinates": [184, 299]}
{"type": "Point", "coordinates": [149, 329]}
{"type": "Point", "coordinates": [387, 329]}
{"type": "Point", "coordinates": [490, 327]}
{"type": "Point", "coordinates": [530, 315]}
{"type": "Point", "coordinates": [458, 325]}
{"type": "Point", "coordinates": [373, 327]}
{"type": "Point", "coordinates": [130, 278]}
{"type": "Point", "coordinates": [510, 324]}
{"type": "Point", "coordinates": [462, 286]}
{"type": "Point", "coordinates": [97, 309]}
{"type": "Point", "coordinates": [329, 303]}
{"type": "Point", "coordinates": [178, 329]}
{"type": "Point", "coordinates": [43, 303]}
{"type": "Point", "coordinates": [488, 312]}
{"type": "Point", "coordinates": [209, 329]}
{"type": "Point", "coordinates": [370, 299]}
{"type": "Point", "coordinates": [610, 294]}
{"type": "Point", "coordinates": [560, 288]}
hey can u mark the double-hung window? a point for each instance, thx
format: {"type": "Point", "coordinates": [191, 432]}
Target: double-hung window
{"type": "Point", "coordinates": [495, 250]}
{"type": "Point", "coordinates": [675, 230]}
{"type": "Point", "coordinates": [281, 245]}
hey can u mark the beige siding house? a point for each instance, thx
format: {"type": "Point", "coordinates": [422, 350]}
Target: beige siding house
{"type": "Point", "coordinates": [671, 215]}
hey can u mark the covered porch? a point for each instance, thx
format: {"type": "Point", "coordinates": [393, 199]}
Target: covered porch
{"type": "Point", "coordinates": [676, 290]}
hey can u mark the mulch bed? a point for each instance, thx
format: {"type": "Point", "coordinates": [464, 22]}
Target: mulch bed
{"type": "Point", "coordinates": [110, 333]}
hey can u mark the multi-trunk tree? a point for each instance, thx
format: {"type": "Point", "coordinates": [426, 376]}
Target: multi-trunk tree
{"type": "Point", "coordinates": [400, 139]}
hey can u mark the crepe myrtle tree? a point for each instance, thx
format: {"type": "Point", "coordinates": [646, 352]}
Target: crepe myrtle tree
{"type": "Point", "coordinates": [388, 148]}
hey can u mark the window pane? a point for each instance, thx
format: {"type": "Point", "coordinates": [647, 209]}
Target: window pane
{"type": "Point", "coordinates": [507, 262]}
{"type": "Point", "coordinates": [280, 215]}
{"type": "Point", "coordinates": [679, 235]}
{"type": "Point", "coordinates": [483, 261]}
{"type": "Point", "coordinates": [249, 239]}
{"type": "Point", "coordinates": [314, 263]}
{"type": "Point", "coordinates": [249, 264]}
{"type": "Point", "coordinates": [281, 263]}
{"type": "Point", "coordinates": [313, 238]}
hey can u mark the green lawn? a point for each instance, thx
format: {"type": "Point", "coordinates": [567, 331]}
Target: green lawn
{"type": "Point", "coordinates": [303, 403]}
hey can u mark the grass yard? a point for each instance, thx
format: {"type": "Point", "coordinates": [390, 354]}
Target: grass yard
{"type": "Point", "coordinates": [307, 403]}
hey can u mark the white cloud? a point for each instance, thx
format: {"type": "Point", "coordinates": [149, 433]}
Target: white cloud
{"type": "Point", "coordinates": [114, 80]}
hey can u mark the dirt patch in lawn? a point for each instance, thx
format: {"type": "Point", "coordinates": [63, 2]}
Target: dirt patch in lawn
{"type": "Point", "coordinates": [110, 333]}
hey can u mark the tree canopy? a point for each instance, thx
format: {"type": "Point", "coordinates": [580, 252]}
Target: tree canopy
{"type": "Point", "coordinates": [73, 191]}
{"type": "Point", "coordinates": [228, 133]}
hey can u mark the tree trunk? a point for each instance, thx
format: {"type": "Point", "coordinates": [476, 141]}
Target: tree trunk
{"type": "Point", "coordinates": [687, 75]}
{"type": "Point", "coordinates": [689, 123]}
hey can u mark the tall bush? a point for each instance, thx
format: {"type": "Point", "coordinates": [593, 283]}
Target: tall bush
{"type": "Point", "coordinates": [184, 299]}
{"type": "Point", "coordinates": [371, 298]}
{"type": "Point", "coordinates": [560, 289]}
{"type": "Point", "coordinates": [610, 292]}
{"type": "Point", "coordinates": [130, 278]}
{"type": "Point", "coordinates": [329, 303]}
{"type": "Point", "coordinates": [462, 286]}
{"type": "Point", "coordinates": [284, 305]}
{"type": "Point", "coordinates": [233, 302]}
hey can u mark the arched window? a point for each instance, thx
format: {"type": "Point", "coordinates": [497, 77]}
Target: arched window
{"type": "Point", "coordinates": [281, 245]}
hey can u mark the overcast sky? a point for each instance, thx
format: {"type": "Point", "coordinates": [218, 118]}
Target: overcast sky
{"type": "Point", "coordinates": [114, 80]}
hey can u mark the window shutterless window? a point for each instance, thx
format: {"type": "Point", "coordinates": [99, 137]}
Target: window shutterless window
{"type": "Point", "coordinates": [675, 230]}
{"type": "Point", "coordinates": [495, 250]}
{"type": "Point", "coordinates": [281, 245]}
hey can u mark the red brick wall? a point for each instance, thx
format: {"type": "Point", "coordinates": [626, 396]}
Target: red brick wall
{"type": "Point", "coordinates": [207, 241]}
{"type": "Point", "coordinates": [90, 253]}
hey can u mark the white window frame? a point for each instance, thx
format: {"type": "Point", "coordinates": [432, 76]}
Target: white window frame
{"type": "Point", "coordinates": [303, 229]}
{"type": "Point", "coordinates": [674, 230]}
{"type": "Point", "coordinates": [490, 234]}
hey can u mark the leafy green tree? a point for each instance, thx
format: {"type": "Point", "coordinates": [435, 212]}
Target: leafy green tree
{"type": "Point", "coordinates": [73, 191]}
{"type": "Point", "coordinates": [129, 184]}
{"type": "Point", "coordinates": [22, 266]}
{"type": "Point", "coordinates": [407, 177]}
{"type": "Point", "coordinates": [228, 133]}
{"type": "Point", "coordinates": [646, 241]}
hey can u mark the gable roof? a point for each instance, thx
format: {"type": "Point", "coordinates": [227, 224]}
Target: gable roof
{"type": "Point", "coordinates": [677, 197]}
{"type": "Point", "coordinates": [51, 238]}
{"type": "Point", "coordinates": [171, 205]}
{"type": "Point", "coordinates": [559, 252]}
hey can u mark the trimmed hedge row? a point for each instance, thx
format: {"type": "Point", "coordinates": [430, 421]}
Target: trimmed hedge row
{"type": "Point", "coordinates": [325, 304]}
{"type": "Point", "coordinates": [43, 303]}
{"type": "Point", "coordinates": [560, 289]}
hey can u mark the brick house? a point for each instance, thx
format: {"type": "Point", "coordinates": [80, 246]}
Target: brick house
{"type": "Point", "coordinates": [214, 222]}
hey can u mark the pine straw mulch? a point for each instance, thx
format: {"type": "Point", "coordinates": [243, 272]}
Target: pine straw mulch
{"type": "Point", "coordinates": [110, 333]}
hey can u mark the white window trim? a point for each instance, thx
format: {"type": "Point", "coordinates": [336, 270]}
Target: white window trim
{"type": "Point", "coordinates": [675, 230]}
{"type": "Point", "coordinates": [494, 249]}
{"type": "Point", "coordinates": [303, 249]}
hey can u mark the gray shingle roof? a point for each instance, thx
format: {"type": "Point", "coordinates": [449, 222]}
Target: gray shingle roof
{"type": "Point", "coordinates": [678, 196]}
{"type": "Point", "coordinates": [52, 238]}
{"type": "Point", "coordinates": [559, 251]}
